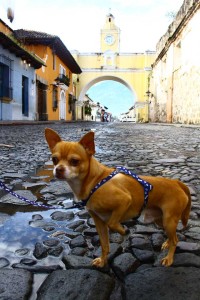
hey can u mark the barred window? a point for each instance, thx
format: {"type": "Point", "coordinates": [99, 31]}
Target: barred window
{"type": "Point", "coordinates": [55, 98]}
{"type": "Point", "coordinates": [4, 81]}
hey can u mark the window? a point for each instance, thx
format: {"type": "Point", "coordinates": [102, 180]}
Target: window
{"type": "Point", "coordinates": [54, 59]}
{"type": "Point", "coordinates": [5, 90]}
{"type": "Point", "coordinates": [62, 70]}
{"type": "Point", "coordinates": [70, 103]}
{"type": "Point", "coordinates": [55, 98]}
{"type": "Point", "coordinates": [109, 59]}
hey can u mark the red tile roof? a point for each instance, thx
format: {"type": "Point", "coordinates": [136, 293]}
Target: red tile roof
{"type": "Point", "coordinates": [10, 43]}
{"type": "Point", "coordinates": [29, 37]}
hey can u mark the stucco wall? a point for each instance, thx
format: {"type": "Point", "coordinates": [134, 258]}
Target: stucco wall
{"type": "Point", "coordinates": [175, 78]}
{"type": "Point", "coordinates": [13, 110]}
{"type": "Point", "coordinates": [186, 97]}
{"type": "Point", "coordinates": [50, 74]}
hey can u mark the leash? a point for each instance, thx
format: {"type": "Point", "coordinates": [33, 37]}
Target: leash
{"type": "Point", "coordinates": [79, 205]}
{"type": "Point", "coordinates": [82, 203]}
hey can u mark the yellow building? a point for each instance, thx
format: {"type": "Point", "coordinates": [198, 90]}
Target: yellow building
{"type": "Point", "coordinates": [130, 69]}
{"type": "Point", "coordinates": [55, 90]}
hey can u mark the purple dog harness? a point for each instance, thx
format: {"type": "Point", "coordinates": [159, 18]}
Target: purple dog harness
{"type": "Point", "coordinates": [147, 186]}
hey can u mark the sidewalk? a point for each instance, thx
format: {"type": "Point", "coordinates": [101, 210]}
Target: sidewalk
{"type": "Point", "coordinates": [197, 126]}
{"type": "Point", "coordinates": [25, 122]}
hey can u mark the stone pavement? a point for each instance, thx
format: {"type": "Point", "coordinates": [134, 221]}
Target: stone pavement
{"type": "Point", "coordinates": [134, 270]}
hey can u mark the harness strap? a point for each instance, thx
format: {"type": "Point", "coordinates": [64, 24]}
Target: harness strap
{"type": "Point", "coordinates": [147, 186]}
{"type": "Point", "coordinates": [98, 185]}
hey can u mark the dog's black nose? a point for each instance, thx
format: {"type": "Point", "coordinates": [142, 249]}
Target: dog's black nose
{"type": "Point", "coordinates": [60, 171]}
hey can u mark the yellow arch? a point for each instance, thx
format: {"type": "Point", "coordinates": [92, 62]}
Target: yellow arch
{"type": "Point", "coordinates": [130, 69]}
{"type": "Point", "coordinates": [103, 78]}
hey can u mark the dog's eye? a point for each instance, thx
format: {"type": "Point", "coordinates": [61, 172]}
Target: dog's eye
{"type": "Point", "coordinates": [54, 160]}
{"type": "Point", "coordinates": [74, 162]}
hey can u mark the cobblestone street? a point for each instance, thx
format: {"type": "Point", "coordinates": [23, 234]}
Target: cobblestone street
{"type": "Point", "coordinates": [42, 249]}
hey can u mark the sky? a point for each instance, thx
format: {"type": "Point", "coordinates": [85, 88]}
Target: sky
{"type": "Point", "coordinates": [114, 95]}
{"type": "Point", "coordinates": [78, 24]}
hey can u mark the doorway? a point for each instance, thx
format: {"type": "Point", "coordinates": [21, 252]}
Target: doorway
{"type": "Point", "coordinates": [42, 99]}
{"type": "Point", "coordinates": [25, 104]}
{"type": "Point", "coordinates": [62, 105]}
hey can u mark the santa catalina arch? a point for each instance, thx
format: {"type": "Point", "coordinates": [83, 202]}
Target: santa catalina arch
{"type": "Point", "coordinates": [129, 69]}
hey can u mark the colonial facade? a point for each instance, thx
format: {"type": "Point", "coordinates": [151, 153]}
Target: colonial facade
{"type": "Point", "coordinates": [55, 90]}
{"type": "Point", "coordinates": [174, 87]}
{"type": "Point", "coordinates": [35, 76]}
{"type": "Point", "coordinates": [130, 69]}
{"type": "Point", "coordinates": [17, 78]}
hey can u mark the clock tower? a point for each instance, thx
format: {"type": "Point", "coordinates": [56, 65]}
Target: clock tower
{"type": "Point", "coordinates": [110, 35]}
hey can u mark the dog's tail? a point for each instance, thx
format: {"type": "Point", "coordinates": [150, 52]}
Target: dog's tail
{"type": "Point", "coordinates": [186, 212]}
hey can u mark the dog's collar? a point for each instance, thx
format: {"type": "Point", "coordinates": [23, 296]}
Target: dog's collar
{"type": "Point", "coordinates": [147, 186]}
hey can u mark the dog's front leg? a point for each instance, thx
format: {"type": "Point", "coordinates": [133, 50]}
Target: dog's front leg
{"type": "Point", "coordinates": [118, 214]}
{"type": "Point", "coordinates": [102, 230]}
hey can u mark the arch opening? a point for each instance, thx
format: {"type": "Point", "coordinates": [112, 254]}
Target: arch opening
{"type": "Point", "coordinates": [113, 92]}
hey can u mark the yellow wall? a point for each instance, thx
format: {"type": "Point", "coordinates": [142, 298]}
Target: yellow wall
{"type": "Point", "coordinates": [47, 73]}
{"type": "Point", "coordinates": [110, 29]}
{"type": "Point", "coordinates": [131, 69]}
{"type": "Point", "coordinates": [5, 28]}
{"type": "Point", "coordinates": [123, 60]}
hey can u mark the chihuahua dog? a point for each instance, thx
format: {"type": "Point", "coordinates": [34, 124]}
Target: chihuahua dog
{"type": "Point", "coordinates": [114, 197]}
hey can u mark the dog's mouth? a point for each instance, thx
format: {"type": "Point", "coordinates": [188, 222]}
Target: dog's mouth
{"type": "Point", "coordinates": [59, 176]}
{"type": "Point", "coordinates": [59, 172]}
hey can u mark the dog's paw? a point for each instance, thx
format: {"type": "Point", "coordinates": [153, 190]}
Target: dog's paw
{"type": "Point", "coordinates": [167, 261]}
{"type": "Point", "coordinates": [165, 245]}
{"type": "Point", "coordinates": [98, 262]}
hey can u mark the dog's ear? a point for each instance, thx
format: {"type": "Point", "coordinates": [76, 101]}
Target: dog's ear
{"type": "Point", "coordinates": [52, 138]}
{"type": "Point", "coordinates": [87, 142]}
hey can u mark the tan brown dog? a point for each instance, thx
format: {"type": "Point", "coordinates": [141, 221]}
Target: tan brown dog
{"type": "Point", "coordinates": [121, 197]}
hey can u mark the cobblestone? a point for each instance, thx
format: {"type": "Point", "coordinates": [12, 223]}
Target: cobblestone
{"type": "Point", "coordinates": [147, 149]}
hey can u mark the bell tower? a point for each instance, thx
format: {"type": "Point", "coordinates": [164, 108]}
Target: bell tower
{"type": "Point", "coordinates": [110, 35]}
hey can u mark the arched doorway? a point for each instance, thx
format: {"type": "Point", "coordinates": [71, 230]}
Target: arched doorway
{"type": "Point", "coordinates": [62, 110]}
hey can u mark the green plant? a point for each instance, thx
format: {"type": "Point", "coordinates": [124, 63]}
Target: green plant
{"type": "Point", "coordinates": [88, 110]}
{"type": "Point", "coordinates": [63, 79]}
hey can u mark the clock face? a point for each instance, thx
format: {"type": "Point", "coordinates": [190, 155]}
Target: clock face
{"type": "Point", "coordinates": [109, 39]}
